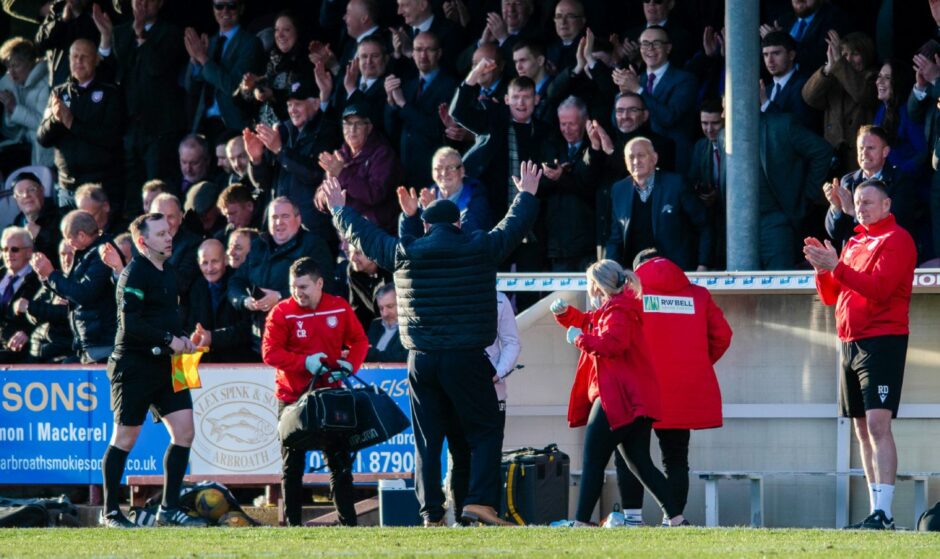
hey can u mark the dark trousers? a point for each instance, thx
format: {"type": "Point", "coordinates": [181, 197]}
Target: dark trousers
{"type": "Point", "coordinates": [338, 459]}
{"type": "Point", "coordinates": [633, 442]}
{"type": "Point", "coordinates": [935, 212]}
{"type": "Point", "coordinates": [146, 157]}
{"type": "Point", "coordinates": [452, 396]}
{"type": "Point", "coordinates": [460, 465]}
{"type": "Point", "coordinates": [674, 445]}
{"type": "Point", "coordinates": [777, 242]}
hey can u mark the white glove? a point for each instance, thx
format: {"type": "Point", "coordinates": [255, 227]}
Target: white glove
{"type": "Point", "coordinates": [559, 306]}
{"type": "Point", "coordinates": [313, 363]}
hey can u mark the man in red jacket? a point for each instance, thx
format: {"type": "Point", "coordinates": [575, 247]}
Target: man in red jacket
{"type": "Point", "coordinates": [298, 334]}
{"type": "Point", "coordinates": [676, 316]}
{"type": "Point", "coordinates": [871, 287]}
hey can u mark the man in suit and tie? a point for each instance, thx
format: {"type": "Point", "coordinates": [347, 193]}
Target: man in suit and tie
{"type": "Point", "coordinates": [361, 21]}
{"type": "Point", "coordinates": [411, 116]}
{"type": "Point", "coordinates": [217, 66]}
{"type": "Point", "coordinates": [567, 189]}
{"type": "Point", "coordinates": [657, 209]}
{"type": "Point", "coordinates": [793, 163]}
{"type": "Point", "coordinates": [873, 149]}
{"type": "Point", "coordinates": [569, 28]}
{"type": "Point", "coordinates": [668, 92]}
{"type": "Point", "coordinates": [210, 316]}
{"type": "Point", "coordinates": [923, 107]}
{"type": "Point", "coordinates": [785, 92]}
{"type": "Point", "coordinates": [809, 24]}
{"type": "Point", "coordinates": [384, 340]}
{"type": "Point", "coordinates": [19, 281]}
{"type": "Point", "coordinates": [419, 17]}
{"type": "Point", "coordinates": [658, 12]}
{"type": "Point", "coordinates": [707, 173]}
{"type": "Point", "coordinates": [146, 56]}
{"type": "Point", "coordinates": [492, 83]}
{"type": "Point", "coordinates": [363, 81]}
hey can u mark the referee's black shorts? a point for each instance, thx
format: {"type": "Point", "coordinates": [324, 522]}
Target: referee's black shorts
{"type": "Point", "coordinates": [139, 385]}
{"type": "Point", "coordinates": [872, 374]}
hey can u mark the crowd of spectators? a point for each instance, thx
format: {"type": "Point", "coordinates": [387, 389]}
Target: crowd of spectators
{"type": "Point", "coordinates": [227, 116]}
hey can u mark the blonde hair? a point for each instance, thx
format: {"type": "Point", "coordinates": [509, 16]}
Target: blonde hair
{"type": "Point", "coordinates": [611, 278]}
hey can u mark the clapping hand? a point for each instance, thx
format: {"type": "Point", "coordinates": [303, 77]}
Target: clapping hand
{"type": "Point", "coordinates": [823, 257]}
{"type": "Point", "coordinates": [254, 147]}
{"type": "Point", "coordinates": [408, 200]}
{"type": "Point", "coordinates": [197, 46]}
{"type": "Point", "coordinates": [599, 138]}
{"type": "Point", "coordinates": [332, 163]}
{"type": "Point", "coordinates": [269, 137]}
{"type": "Point", "coordinates": [201, 337]}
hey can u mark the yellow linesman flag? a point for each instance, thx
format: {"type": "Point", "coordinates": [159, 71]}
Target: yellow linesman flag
{"type": "Point", "coordinates": [186, 370]}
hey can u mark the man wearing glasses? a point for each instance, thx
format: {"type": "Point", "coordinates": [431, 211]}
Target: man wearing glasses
{"type": "Point", "coordinates": [367, 168]}
{"type": "Point", "coordinates": [19, 281]}
{"type": "Point", "coordinates": [657, 12]}
{"type": "Point", "coordinates": [667, 91]}
{"type": "Point", "coordinates": [569, 27]}
{"type": "Point", "coordinates": [38, 217]}
{"type": "Point", "coordinates": [411, 114]}
{"type": "Point", "coordinates": [217, 67]}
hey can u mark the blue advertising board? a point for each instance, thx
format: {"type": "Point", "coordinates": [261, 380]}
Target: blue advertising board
{"type": "Point", "coordinates": [55, 425]}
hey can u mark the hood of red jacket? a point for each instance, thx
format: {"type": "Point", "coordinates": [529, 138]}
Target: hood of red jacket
{"type": "Point", "coordinates": [662, 276]}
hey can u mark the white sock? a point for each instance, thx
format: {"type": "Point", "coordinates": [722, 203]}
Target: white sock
{"type": "Point", "coordinates": [885, 497]}
{"type": "Point", "coordinates": [634, 513]}
{"type": "Point", "coordinates": [873, 496]}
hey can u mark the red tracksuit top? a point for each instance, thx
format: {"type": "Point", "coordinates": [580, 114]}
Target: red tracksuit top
{"type": "Point", "coordinates": [872, 283]}
{"type": "Point", "coordinates": [292, 332]}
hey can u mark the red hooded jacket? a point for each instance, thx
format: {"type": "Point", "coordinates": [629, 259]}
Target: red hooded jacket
{"type": "Point", "coordinates": [292, 332]}
{"type": "Point", "coordinates": [614, 365]}
{"type": "Point", "coordinates": [687, 333]}
{"type": "Point", "coordinates": [872, 283]}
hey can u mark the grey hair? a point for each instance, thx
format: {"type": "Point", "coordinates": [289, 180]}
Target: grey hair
{"type": "Point", "coordinates": [18, 232]}
{"type": "Point", "coordinates": [611, 278]}
{"type": "Point", "coordinates": [573, 102]}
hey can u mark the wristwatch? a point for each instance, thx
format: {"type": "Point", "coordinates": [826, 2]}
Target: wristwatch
{"type": "Point", "coordinates": [168, 339]}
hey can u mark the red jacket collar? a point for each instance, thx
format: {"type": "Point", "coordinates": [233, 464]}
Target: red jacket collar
{"type": "Point", "coordinates": [878, 228]}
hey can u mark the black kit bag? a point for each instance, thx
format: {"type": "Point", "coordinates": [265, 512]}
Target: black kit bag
{"type": "Point", "coordinates": [362, 416]}
{"type": "Point", "coordinates": [379, 417]}
{"type": "Point", "coordinates": [535, 485]}
{"type": "Point", "coordinates": [929, 521]}
{"type": "Point", "coordinates": [37, 513]}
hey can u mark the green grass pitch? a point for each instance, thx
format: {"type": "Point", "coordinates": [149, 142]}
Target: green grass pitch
{"type": "Point", "coordinates": [464, 542]}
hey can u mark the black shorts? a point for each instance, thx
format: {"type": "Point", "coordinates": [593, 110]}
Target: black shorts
{"type": "Point", "coordinates": [137, 388]}
{"type": "Point", "coordinates": [872, 375]}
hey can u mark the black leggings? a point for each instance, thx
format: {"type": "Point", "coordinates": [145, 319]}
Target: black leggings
{"type": "Point", "coordinates": [674, 444]}
{"type": "Point", "coordinates": [633, 442]}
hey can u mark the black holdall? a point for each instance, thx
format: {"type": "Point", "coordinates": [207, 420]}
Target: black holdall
{"type": "Point", "coordinates": [362, 416]}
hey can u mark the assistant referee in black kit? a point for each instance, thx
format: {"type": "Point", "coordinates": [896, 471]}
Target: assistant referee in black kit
{"type": "Point", "coordinates": [148, 318]}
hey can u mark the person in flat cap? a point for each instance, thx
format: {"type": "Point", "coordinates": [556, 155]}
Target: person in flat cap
{"type": "Point", "coordinates": [201, 213]}
{"type": "Point", "coordinates": [367, 169]}
{"type": "Point", "coordinates": [441, 275]}
{"type": "Point", "coordinates": [284, 158]}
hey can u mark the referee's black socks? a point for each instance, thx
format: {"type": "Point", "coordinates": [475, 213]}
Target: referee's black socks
{"type": "Point", "coordinates": [112, 471]}
{"type": "Point", "coordinates": [174, 468]}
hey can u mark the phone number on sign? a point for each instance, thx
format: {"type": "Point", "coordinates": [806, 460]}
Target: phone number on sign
{"type": "Point", "coordinates": [374, 461]}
